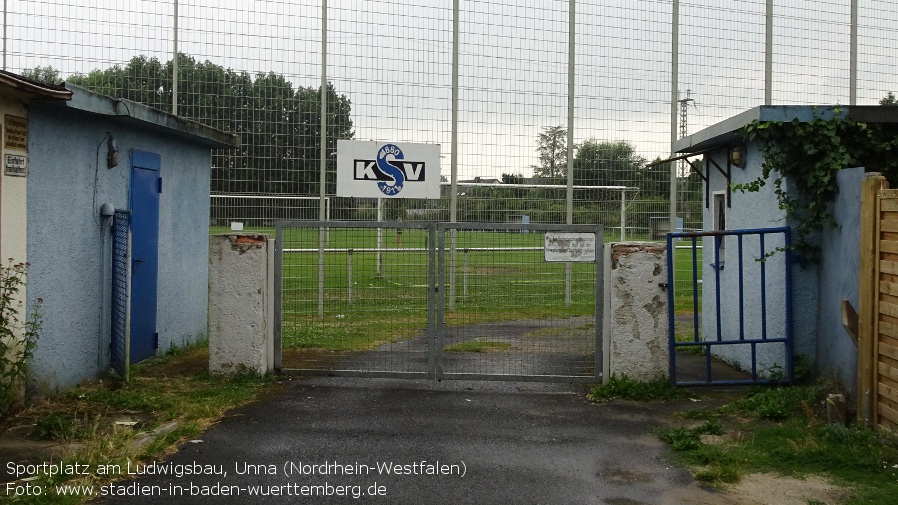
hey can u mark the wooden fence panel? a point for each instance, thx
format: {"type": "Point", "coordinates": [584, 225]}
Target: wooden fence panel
{"type": "Point", "coordinates": [877, 349]}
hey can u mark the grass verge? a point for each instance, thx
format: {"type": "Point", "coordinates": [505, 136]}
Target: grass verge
{"type": "Point", "coordinates": [624, 388]}
{"type": "Point", "coordinates": [784, 431]}
{"type": "Point", "coordinates": [478, 346]}
{"type": "Point", "coordinates": [109, 422]}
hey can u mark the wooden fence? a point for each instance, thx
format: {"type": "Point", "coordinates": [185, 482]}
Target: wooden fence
{"type": "Point", "coordinates": [878, 305]}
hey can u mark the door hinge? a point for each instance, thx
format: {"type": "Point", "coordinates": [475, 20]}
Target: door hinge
{"type": "Point", "coordinates": [156, 340]}
{"type": "Point", "coordinates": [160, 184]}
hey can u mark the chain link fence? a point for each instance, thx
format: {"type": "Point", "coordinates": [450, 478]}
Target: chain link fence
{"type": "Point", "coordinates": [537, 83]}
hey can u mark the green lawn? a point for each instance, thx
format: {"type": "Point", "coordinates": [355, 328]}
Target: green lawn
{"type": "Point", "coordinates": [684, 283]}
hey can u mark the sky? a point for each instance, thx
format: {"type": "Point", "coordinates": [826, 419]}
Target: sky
{"type": "Point", "coordinates": [393, 60]}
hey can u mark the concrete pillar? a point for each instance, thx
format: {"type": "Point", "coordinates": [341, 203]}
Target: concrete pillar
{"type": "Point", "coordinates": [635, 316]}
{"type": "Point", "coordinates": [241, 303]}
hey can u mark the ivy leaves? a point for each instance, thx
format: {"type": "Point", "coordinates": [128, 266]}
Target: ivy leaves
{"type": "Point", "coordinates": [803, 158]}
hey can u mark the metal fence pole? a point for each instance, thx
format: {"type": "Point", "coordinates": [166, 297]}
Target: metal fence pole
{"type": "Point", "coordinates": [322, 166]}
{"type": "Point", "coordinates": [768, 55]}
{"type": "Point", "coordinates": [571, 62]}
{"type": "Point", "coordinates": [174, 71]}
{"type": "Point", "coordinates": [4, 34]}
{"type": "Point", "coordinates": [852, 85]}
{"type": "Point", "coordinates": [674, 103]}
{"type": "Point", "coordinates": [623, 215]}
{"type": "Point", "coordinates": [453, 196]}
{"type": "Point", "coordinates": [349, 276]}
{"type": "Point", "coordinates": [380, 236]}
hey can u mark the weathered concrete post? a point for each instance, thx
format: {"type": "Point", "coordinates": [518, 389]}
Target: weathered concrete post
{"type": "Point", "coordinates": [241, 303]}
{"type": "Point", "coordinates": [635, 315]}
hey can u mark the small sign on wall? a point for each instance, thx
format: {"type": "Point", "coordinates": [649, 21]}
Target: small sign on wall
{"type": "Point", "coordinates": [570, 247]}
{"type": "Point", "coordinates": [16, 132]}
{"type": "Point", "coordinates": [15, 164]}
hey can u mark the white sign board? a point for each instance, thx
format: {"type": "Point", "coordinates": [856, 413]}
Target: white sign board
{"type": "Point", "coordinates": [16, 164]}
{"type": "Point", "coordinates": [570, 247]}
{"type": "Point", "coordinates": [388, 169]}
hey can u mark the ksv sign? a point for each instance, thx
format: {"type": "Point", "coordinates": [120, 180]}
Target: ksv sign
{"type": "Point", "coordinates": [388, 170]}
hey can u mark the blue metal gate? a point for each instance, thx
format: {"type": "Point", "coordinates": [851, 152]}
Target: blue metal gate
{"type": "Point", "coordinates": [730, 311]}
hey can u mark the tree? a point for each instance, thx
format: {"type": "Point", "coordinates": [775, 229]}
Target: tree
{"type": "Point", "coordinates": [46, 74]}
{"type": "Point", "coordinates": [889, 99]}
{"type": "Point", "coordinates": [608, 163]}
{"type": "Point", "coordinates": [279, 125]}
{"type": "Point", "coordinates": [552, 150]}
{"type": "Point", "coordinates": [512, 178]}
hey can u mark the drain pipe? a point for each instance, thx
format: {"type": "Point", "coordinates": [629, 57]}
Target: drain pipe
{"type": "Point", "coordinates": [106, 212]}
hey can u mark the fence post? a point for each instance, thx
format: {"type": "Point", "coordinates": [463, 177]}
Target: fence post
{"type": "Point", "coordinates": [867, 311]}
{"type": "Point", "coordinates": [241, 303]}
{"type": "Point", "coordinates": [349, 276]}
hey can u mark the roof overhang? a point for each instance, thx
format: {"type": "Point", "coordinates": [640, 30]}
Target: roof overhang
{"type": "Point", "coordinates": [727, 132]}
{"type": "Point", "coordinates": [23, 88]}
{"type": "Point", "coordinates": [142, 116]}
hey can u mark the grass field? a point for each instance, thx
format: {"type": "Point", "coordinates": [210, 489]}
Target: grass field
{"type": "Point", "coordinates": [371, 298]}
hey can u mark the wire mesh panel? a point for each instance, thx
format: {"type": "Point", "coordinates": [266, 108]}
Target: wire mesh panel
{"type": "Point", "coordinates": [256, 69]}
{"type": "Point", "coordinates": [355, 298]}
{"type": "Point", "coordinates": [121, 290]}
{"type": "Point", "coordinates": [507, 311]}
{"type": "Point", "coordinates": [472, 301]}
{"type": "Point", "coordinates": [262, 211]}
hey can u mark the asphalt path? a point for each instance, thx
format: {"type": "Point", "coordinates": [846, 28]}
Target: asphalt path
{"type": "Point", "coordinates": [347, 440]}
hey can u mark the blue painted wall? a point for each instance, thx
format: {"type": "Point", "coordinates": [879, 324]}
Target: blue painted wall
{"type": "Point", "coordinates": [817, 289]}
{"type": "Point", "coordinates": [69, 246]}
{"type": "Point", "coordinates": [840, 268]}
{"type": "Point", "coordinates": [755, 210]}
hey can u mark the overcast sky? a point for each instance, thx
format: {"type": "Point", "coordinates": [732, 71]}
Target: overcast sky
{"type": "Point", "coordinates": [393, 60]}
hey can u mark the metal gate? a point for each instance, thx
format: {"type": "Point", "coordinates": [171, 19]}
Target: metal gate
{"type": "Point", "coordinates": [439, 301]}
{"type": "Point", "coordinates": [730, 310]}
{"type": "Point", "coordinates": [121, 292]}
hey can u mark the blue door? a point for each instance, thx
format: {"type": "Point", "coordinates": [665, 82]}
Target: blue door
{"type": "Point", "coordinates": [146, 184]}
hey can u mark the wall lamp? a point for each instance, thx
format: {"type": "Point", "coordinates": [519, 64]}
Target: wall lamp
{"type": "Point", "coordinates": [737, 155]}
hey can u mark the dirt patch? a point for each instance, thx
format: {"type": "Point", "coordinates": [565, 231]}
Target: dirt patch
{"type": "Point", "coordinates": [766, 489]}
{"type": "Point", "coordinates": [193, 361]}
{"type": "Point", "coordinates": [761, 489]}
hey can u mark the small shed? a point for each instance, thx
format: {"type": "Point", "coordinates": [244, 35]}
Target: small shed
{"type": "Point", "coordinates": [816, 289]}
{"type": "Point", "coordinates": [88, 155]}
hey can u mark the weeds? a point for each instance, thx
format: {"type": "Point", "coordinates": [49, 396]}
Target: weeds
{"type": "Point", "coordinates": [625, 388]}
{"type": "Point", "coordinates": [18, 337]}
{"type": "Point", "coordinates": [110, 422]}
{"type": "Point", "coordinates": [682, 439]}
{"type": "Point", "coordinates": [778, 403]}
{"type": "Point", "coordinates": [781, 430]}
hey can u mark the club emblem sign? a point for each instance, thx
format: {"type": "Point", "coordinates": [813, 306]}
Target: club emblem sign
{"type": "Point", "coordinates": [388, 169]}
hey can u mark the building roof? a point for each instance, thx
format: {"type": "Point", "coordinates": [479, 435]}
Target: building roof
{"type": "Point", "coordinates": [145, 117]}
{"type": "Point", "coordinates": [725, 133]}
{"type": "Point", "coordinates": [23, 88]}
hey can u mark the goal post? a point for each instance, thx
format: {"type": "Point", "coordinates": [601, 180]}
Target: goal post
{"type": "Point", "coordinates": [545, 206]}
{"type": "Point", "coordinates": [262, 211]}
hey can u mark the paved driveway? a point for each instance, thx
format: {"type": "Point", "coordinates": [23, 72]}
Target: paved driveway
{"type": "Point", "coordinates": [338, 440]}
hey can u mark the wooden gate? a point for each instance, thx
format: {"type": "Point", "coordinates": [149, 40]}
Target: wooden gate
{"type": "Point", "coordinates": [878, 300]}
